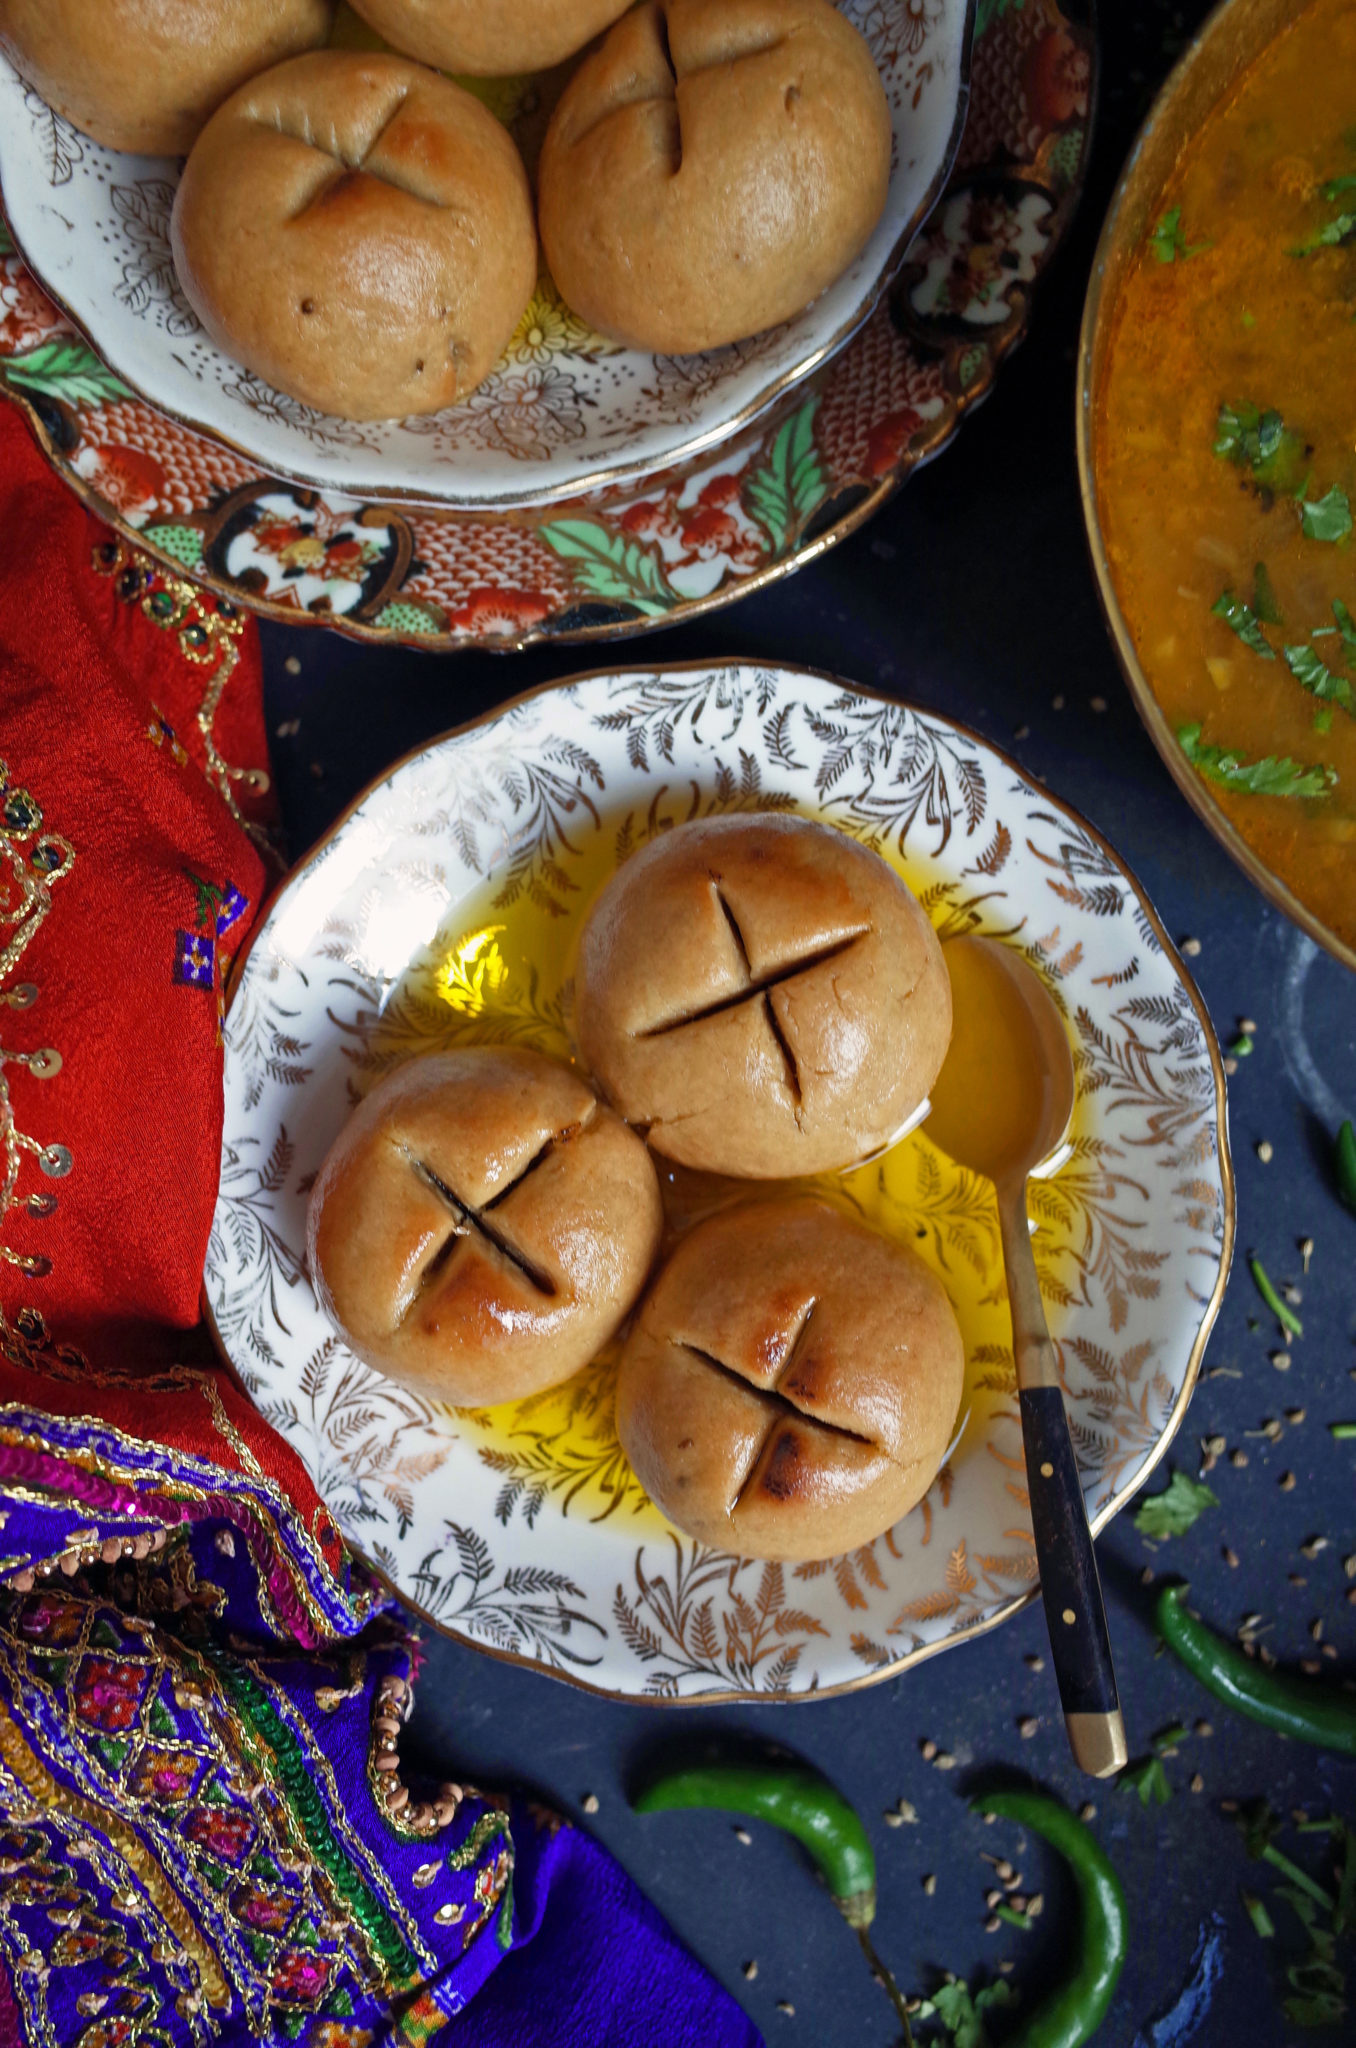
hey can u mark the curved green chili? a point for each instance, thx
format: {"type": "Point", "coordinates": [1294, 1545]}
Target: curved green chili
{"type": "Point", "coordinates": [795, 1798]}
{"type": "Point", "coordinates": [1346, 1164]}
{"type": "Point", "coordinates": [1292, 1706]}
{"type": "Point", "coordinates": [1076, 2008]}
{"type": "Point", "coordinates": [802, 1802]}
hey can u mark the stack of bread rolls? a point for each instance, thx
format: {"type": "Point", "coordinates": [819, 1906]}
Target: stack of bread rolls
{"type": "Point", "coordinates": [359, 230]}
{"type": "Point", "coordinates": [756, 998]}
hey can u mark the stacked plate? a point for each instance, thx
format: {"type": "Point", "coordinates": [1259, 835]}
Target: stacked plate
{"type": "Point", "coordinates": [583, 489]}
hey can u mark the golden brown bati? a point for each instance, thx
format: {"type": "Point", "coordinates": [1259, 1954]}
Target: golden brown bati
{"type": "Point", "coordinates": [490, 38]}
{"type": "Point", "coordinates": [791, 1384]}
{"type": "Point", "coordinates": [764, 994]}
{"type": "Point", "coordinates": [359, 231]}
{"type": "Point", "coordinates": [712, 168]}
{"type": "Point", "coordinates": [482, 1225]}
{"type": "Point", "coordinates": [144, 75]}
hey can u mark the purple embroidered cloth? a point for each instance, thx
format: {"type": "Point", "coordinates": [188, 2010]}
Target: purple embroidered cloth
{"type": "Point", "coordinates": [200, 1839]}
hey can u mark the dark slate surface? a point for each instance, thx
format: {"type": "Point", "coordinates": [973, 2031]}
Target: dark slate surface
{"type": "Point", "coordinates": [971, 594]}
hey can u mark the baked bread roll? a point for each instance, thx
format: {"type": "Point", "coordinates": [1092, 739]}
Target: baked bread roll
{"type": "Point", "coordinates": [791, 1384]}
{"type": "Point", "coordinates": [359, 231]}
{"type": "Point", "coordinates": [490, 38]}
{"type": "Point", "coordinates": [712, 168]}
{"type": "Point", "coordinates": [482, 1225]}
{"type": "Point", "coordinates": [145, 75]}
{"type": "Point", "coordinates": [764, 994]}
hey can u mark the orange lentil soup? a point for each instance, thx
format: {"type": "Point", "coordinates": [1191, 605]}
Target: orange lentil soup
{"type": "Point", "coordinates": [1226, 457]}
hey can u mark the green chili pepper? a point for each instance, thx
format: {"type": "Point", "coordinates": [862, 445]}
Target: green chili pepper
{"type": "Point", "coordinates": [1292, 1706]}
{"type": "Point", "coordinates": [1076, 2008]}
{"type": "Point", "coordinates": [1346, 1164]}
{"type": "Point", "coordinates": [806, 1805]}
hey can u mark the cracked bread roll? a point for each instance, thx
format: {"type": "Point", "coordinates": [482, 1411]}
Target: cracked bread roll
{"type": "Point", "coordinates": [791, 1383]}
{"type": "Point", "coordinates": [482, 1225]}
{"type": "Point", "coordinates": [490, 38]}
{"type": "Point", "coordinates": [358, 231]}
{"type": "Point", "coordinates": [763, 994]}
{"type": "Point", "coordinates": [144, 75]}
{"type": "Point", "coordinates": [712, 168]}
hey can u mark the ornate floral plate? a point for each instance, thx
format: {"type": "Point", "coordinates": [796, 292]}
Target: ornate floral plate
{"type": "Point", "coordinates": [662, 547]}
{"type": "Point", "coordinates": [442, 908]}
{"type": "Point", "coordinates": [93, 224]}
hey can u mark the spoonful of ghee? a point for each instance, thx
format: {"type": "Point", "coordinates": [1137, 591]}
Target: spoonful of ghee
{"type": "Point", "coordinates": [1002, 1106]}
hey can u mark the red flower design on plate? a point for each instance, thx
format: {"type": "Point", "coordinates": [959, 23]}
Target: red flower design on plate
{"type": "Point", "coordinates": [1056, 74]}
{"type": "Point", "coordinates": [27, 315]}
{"type": "Point", "coordinates": [107, 1694]}
{"type": "Point", "coordinates": [889, 438]}
{"type": "Point", "coordinates": [128, 477]}
{"type": "Point", "coordinates": [500, 611]}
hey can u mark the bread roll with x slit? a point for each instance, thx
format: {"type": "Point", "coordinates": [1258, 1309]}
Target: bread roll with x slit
{"type": "Point", "coordinates": [482, 1225]}
{"type": "Point", "coordinates": [711, 168]}
{"type": "Point", "coordinates": [145, 74]}
{"type": "Point", "coordinates": [490, 38]}
{"type": "Point", "coordinates": [764, 994]}
{"type": "Point", "coordinates": [791, 1384]}
{"type": "Point", "coordinates": [358, 231]}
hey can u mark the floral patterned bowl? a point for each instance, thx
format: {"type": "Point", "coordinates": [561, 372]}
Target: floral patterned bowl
{"type": "Point", "coordinates": [647, 551]}
{"type": "Point", "coordinates": [565, 411]}
{"type": "Point", "coordinates": [441, 907]}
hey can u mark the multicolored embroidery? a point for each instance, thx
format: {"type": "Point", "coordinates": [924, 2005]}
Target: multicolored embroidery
{"type": "Point", "coordinates": [195, 960]}
{"type": "Point", "coordinates": [208, 630]}
{"type": "Point", "coordinates": [34, 861]}
{"type": "Point", "coordinates": [162, 734]}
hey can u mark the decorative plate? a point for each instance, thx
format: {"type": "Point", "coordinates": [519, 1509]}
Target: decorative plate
{"type": "Point", "coordinates": [441, 908]}
{"type": "Point", "coordinates": [662, 547]}
{"type": "Point", "coordinates": [93, 224]}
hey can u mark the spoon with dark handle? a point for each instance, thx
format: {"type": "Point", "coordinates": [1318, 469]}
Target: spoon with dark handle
{"type": "Point", "coordinates": [1002, 1107]}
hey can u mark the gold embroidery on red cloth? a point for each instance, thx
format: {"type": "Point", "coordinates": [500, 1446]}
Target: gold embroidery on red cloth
{"type": "Point", "coordinates": [208, 631]}
{"type": "Point", "coordinates": [35, 859]}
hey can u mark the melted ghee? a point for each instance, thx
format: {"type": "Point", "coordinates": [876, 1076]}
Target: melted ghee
{"type": "Point", "coordinates": [501, 972]}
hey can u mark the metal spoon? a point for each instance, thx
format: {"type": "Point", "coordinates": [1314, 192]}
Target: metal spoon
{"type": "Point", "coordinates": [1002, 1107]}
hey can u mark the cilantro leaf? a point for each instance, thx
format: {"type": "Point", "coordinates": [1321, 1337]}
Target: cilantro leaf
{"type": "Point", "coordinates": [1335, 187]}
{"type": "Point", "coordinates": [1172, 1512]}
{"type": "Point", "coordinates": [962, 2013]}
{"type": "Point", "coordinates": [1328, 517]}
{"type": "Point", "coordinates": [1149, 1780]}
{"type": "Point", "coordinates": [1346, 626]}
{"type": "Point", "coordinates": [1242, 619]}
{"type": "Point", "coordinates": [1168, 242]}
{"type": "Point", "coordinates": [1312, 675]}
{"type": "Point", "coordinates": [1338, 230]}
{"type": "Point", "coordinates": [1261, 442]}
{"type": "Point", "coordinates": [1268, 777]}
{"type": "Point", "coordinates": [1264, 601]}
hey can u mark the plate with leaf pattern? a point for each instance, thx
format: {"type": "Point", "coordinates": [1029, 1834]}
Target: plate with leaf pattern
{"type": "Point", "coordinates": [649, 550]}
{"type": "Point", "coordinates": [442, 908]}
{"type": "Point", "coordinates": [564, 410]}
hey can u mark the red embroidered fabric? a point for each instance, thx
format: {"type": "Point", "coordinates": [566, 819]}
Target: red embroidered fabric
{"type": "Point", "coordinates": [134, 883]}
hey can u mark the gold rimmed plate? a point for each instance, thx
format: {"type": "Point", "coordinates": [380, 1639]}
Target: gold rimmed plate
{"type": "Point", "coordinates": [565, 411]}
{"type": "Point", "coordinates": [656, 548]}
{"type": "Point", "coordinates": [441, 909]}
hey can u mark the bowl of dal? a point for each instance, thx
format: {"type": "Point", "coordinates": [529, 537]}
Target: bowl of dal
{"type": "Point", "coordinates": [1217, 443]}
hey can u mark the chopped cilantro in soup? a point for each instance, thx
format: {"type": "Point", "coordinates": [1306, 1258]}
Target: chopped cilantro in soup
{"type": "Point", "coordinates": [1226, 464]}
